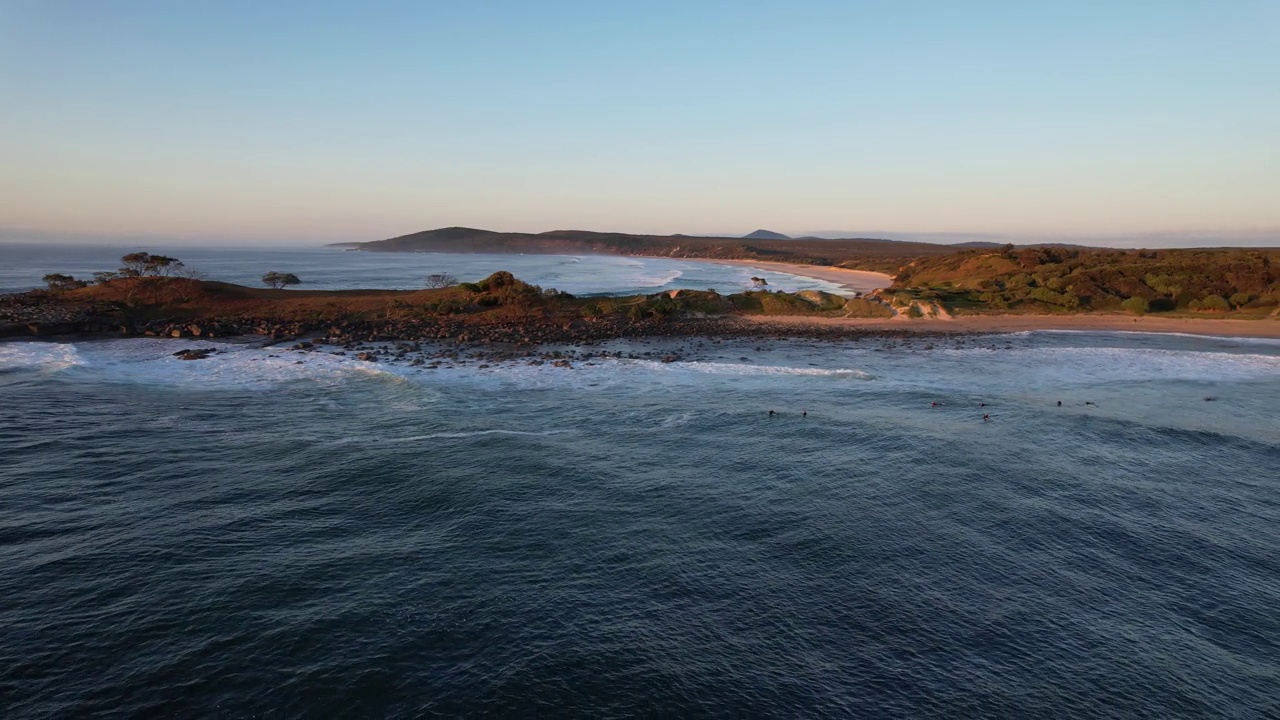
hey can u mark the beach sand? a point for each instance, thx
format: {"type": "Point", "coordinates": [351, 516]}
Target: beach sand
{"type": "Point", "coordinates": [852, 280]}
{"type": "Point", "coordinates": [1264, 328]}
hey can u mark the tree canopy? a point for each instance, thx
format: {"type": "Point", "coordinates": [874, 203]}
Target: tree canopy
{"type": "Point", "coordinates": [280, 280]}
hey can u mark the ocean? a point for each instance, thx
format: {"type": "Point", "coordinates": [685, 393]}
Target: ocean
{"type": "Point", "coordinates": [324, 268]}
{"type": "Point", "coordinates": [277, 533]}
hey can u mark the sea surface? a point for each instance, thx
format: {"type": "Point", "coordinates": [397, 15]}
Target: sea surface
{"type": "Point", "coordinates": [273, 533]}
{"type": "Point", "coordinates": [22, 265]}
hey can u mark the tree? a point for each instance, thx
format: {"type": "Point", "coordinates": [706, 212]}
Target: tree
{"type": "Point", "coordinates": [1136, 305]}
{"type": "Point", "coordinates": [1214, 302]}
{"type": "Point", "coordinates": [59, 282]}
{"type": "Point", "coordinates": [280, 280]}
{"type": "Point", "coordinates": [142, 264]}
{"type": "Point", "coordinates": [441, 280]}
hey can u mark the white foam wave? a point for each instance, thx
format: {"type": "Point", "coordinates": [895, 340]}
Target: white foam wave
{"type": "Point", "coordinates": [151, 362]}
{"type": "Point", "coordinates": [1274, 342]}
{"type": "Point", "coordinates": [38, 356]}
{"type": "Point", "coordinates": [677, 420]}
{"type": "Point", "coordinates": [473, 433]}
{"type": "Point", "coordinates": [717, 368]}
{"type": "Point", "coordinates": [658, 280]}
{"type": "Point", "coordinates": [1089, 365]}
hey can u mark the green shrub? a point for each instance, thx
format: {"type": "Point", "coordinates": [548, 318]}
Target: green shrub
{"type": "Point", "coordinates": [1215, 302]}
{"type": "Point", "coordinates": [1136, 305]}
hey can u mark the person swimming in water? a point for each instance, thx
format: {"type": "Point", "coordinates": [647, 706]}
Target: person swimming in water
{"type": "Point", "coordinates": [986, 418]}
{"type": "Point", "coordinates": [772, 413]}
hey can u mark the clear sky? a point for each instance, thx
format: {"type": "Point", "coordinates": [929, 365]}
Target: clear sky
{"type": "Point", "coordinates": [322, 120]}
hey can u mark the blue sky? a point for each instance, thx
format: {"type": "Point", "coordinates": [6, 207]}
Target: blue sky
{"type": "Point", "coordinates": [338, 121]}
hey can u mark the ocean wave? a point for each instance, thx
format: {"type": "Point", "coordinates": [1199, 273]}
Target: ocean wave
{"type": "Point", "coordinates": [45, 356]}
{"type": "Point", "coordinates": [718, 368]}
{"type": "Point", "coordinates": [151, 362]}
{"type": "Point", "coordinates": [1272, 342]}
{"type": "Point", "coordinates": [456, 435]}
{"type": "Point", "coordinates": [1092, 365]}
{"type": "Point", "coordinates": [657, 280]}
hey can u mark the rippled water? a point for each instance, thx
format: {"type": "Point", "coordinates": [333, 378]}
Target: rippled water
{"type": "Point", "coordinates": [246, 535]}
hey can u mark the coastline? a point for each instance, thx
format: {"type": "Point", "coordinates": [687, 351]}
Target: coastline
{"type": "Point", "coordinates": [1261, 328]}
{"type": "Point", "coordinates": [865, 281]}
{"type": "Point", "coordinates": [855, 281]}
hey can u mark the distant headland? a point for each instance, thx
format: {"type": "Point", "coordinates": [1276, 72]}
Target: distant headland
{"type": "Point", "coordinates": [858, 253]}
{"type": "Point", "coordinates": [943, 280]}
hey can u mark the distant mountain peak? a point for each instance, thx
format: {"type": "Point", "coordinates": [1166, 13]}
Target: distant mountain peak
{"type": "Point", "coordinates": [766, 235]}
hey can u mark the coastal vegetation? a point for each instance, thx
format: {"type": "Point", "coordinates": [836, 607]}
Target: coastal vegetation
{"type": "Point", "coordinates": [280, 280]}
{"type": "Point", "coordinates": [1071, 280]}
{"type": "Point", "coordinates": [441, 280]}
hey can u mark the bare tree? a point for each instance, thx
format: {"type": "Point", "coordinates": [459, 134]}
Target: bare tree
{"type": "Point", "coordinates": [441, 280]}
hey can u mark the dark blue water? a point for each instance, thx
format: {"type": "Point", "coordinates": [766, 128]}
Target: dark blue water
{"type": "Point", "coordinates": [254, 537]}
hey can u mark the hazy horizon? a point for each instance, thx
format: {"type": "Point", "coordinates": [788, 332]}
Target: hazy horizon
{"type": "Point", "coordinates": [234, 123]}
{"type": "Point", "coordinates": [1242, 239]}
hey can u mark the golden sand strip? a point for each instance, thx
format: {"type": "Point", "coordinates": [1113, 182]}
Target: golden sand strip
{"type": "Point", "coordinates": [1263, 328]}
{"type": "Point", "coordinates": [853, 280]}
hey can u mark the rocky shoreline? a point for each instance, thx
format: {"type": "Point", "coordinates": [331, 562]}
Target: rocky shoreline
{"type": "Point", "coordinates": [43, 315]}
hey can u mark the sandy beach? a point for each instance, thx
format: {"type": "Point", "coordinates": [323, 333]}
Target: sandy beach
{"type": "Point", "coordinates": [1264, 328]}
{"type": "Point", "coordinates": [861, 281]}
{"type": "Point", "coordinates": [865, 282]}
